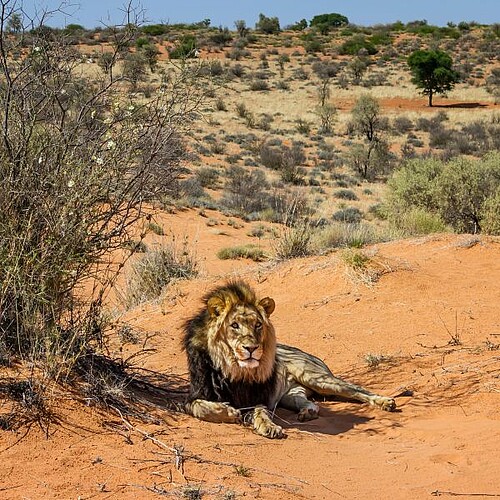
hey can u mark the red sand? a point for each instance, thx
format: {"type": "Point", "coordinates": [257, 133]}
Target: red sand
{"type": "Point", "coordinates": [443, 441]}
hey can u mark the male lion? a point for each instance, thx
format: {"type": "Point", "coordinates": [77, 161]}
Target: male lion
{"type": "Point", "coordinates": [238, 371]}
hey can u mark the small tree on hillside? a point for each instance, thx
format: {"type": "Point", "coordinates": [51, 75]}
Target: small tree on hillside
{"type": "Point", "coordinates": [268, 25]}
{"type": "Point", "coordinates": [432, 72]}
{"type": "Point", "coordinates": [371, 157]}
{"type": "Point", "coordinates": [325, 22]}
{"type": "Point", "coordinates": [366, 117]}
{"type": "Point", "coordinates": [241, 28]}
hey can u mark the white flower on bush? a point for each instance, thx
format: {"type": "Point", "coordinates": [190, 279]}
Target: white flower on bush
{"type": "Point", "coordinates": [111, 144]}
{"type": "Point", "coordinates": [98, 160]}
{"type": "Point", "coordinates": [71, 183]}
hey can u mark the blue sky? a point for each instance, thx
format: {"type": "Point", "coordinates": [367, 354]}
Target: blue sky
{"type": "Point", "coordinates": [224, 12]}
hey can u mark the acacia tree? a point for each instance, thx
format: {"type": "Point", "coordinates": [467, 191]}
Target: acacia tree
{"type": "Point", "coordinates": [372, 156]}
{"type": "Point", "coordinates": [325, 22]}
{"type": "Point", "coordinates": [268, 25]}
{"type": "Point", "coordinates": [432, 72]}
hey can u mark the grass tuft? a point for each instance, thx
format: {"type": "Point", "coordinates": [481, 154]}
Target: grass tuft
{"type": "Point", "coordinates": [252, 252]}
{"type": "Point", "coordinates": [155, 270]}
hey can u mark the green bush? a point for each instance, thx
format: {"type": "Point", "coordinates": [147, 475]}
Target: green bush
{"type": "Point", "coordinates": [339, 235]}
{"type": "Point", "coordinates": [417, 222]}
{"type": "Point", "coordinates": [185, 48]}
{"type": "Point", "coordinates": [357, 44]}
{"type": "Point", "coordinates": [155, 29]}
{"type": "Point", "coordinates": [490, 222]}
{"type": "Point", "coordinates": [462, 192]}
{"type": "Point", "coordinates": [463, 188]}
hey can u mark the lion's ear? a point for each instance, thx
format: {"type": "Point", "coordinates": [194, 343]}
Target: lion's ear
{"type": "Point", "coordinates": [267, 303]}
{"type": "Point", "coordinates": [215, 306]}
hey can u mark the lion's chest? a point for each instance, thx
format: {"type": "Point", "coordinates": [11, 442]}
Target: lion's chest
{"type": "Point", "coordinates": [243, 394]}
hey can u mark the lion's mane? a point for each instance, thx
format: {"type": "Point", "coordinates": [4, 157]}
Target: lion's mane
{"type": "Point", "coordinates": [214, 372]}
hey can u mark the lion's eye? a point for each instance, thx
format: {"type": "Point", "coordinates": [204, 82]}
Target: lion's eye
{"type": "Point", "coordinates": [235, 325]}
{"type": "Point", "coordinates": [258, 325]}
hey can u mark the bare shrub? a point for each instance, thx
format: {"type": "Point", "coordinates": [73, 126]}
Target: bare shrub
{"type": "Point", "coordinates": [76, 164]}
{"type": "Point", "coordinates": [244, 190]}
{"type": "Point", "coordinates": [287, 160]}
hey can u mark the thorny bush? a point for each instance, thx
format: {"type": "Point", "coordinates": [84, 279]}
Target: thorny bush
{"type": "Point", "coordinates": [78, 158]}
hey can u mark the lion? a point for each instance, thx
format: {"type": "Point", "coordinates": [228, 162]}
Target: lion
{"type": "Point", "coordinates": [239, 373]}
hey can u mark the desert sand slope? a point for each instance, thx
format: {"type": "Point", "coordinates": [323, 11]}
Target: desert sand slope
{"type": "Point", "coordinates": [427, 311]}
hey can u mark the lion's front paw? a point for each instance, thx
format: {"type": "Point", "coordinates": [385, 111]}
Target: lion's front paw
{"type": "Point", "coordinates": [214, 412]}
{"type": "Point", "coordinates": [264, 426]}
{"type": "Point", "coordinates": [386, 404]}
{"type": "Point", "coordinates": [270, 430]}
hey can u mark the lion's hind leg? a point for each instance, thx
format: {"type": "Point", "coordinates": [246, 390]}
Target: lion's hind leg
{"type": "Point", "coordinates": [329, 385]}
{"type": "Point", "coordinates": [295, 399]}
{"type": "Point", "coordinates": [311, 372]}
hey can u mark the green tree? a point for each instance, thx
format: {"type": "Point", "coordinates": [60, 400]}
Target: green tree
{"type": "Point", "coordinates": [299, 25]}
{"type": "Point", "coordinates": [14, 23]}
{"type": "Point", "coordinates": [372, 157]}
{"type": "Point", "coordinates": [325, 22]}
{"type": "Point", "coordinates": [366, 117]}
{"type": "Point", "coordinates": [432, 72]}
{"type": "Point", "coordinates": [268, 25]}
{"type": "Point", "coordinates": [241, 28]}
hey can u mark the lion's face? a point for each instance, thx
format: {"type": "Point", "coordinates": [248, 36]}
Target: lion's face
{"type": "Point", "coordinates": [243, 344]}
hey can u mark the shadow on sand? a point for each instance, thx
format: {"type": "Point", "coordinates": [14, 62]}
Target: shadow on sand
{"type": "Point", "coordinates": [461, 105]}
{"type": "Point", "coordinates": [338, 421]}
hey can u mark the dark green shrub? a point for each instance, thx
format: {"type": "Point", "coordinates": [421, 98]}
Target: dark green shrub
{"type": "Point", "coordinates": [155, 29]}
{"type": "Point", "coordinates": [346, 194]}
{"type": "Point", "coordinates": [357, 45]}
{"type": "Point", "coordinates": [351, 215]}
{"type": "Point", "coordinates": [245, 190]}
{"type": "Point", "coordinates": [185, 48]}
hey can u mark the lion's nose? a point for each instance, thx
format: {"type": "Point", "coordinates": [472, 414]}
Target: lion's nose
{"type": "Point", "coordinates": [250, 348]}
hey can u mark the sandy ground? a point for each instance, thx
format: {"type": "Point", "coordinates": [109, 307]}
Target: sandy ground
{"type": "Point", "coordinates": [431, 316]}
